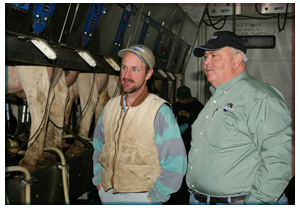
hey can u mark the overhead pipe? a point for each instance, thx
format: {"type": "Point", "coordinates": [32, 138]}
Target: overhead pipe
{"type": "Point", "coordinates": [233, 17]}
{"type": "Point", "coordinates": [198, 39]}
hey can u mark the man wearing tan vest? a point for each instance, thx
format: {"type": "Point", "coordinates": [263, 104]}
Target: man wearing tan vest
{"type": "Point", "coordinates": [139, 156]}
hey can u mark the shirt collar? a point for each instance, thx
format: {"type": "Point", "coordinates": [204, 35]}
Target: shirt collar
{"type": "Point", "coordinates": [227, 85]}
{"type": "Point", "coordinates": [138, 100]}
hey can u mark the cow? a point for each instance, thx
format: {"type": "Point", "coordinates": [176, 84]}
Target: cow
{"type": "Point", "coordinates": [44, 87]}
{"type": "Point", "coordinates": [47, 92]}
{"type": "Point", "coordinates": [102, 88]}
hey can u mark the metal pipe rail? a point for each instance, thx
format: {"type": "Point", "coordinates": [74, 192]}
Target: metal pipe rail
{"type": "Point", "coordinates": [27, 178]}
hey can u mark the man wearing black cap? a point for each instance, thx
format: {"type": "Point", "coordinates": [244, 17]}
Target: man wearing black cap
{"type": "Point", "coordinates": [139, 156]}
{"type": "Point", "coordinates": [186, 111]}
{"type": "Point", "coordinates": [241, 141]}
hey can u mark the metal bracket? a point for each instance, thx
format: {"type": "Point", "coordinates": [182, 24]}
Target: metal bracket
{"type": "Point", "coordinates": [21, 6]}
{"type": "Point", "coordinates": [188, 47]}
{"type": "Point", "coordinates": [123, 26]}
{"type": "Point", "coordinates": [25, 181]}
{"type": "Point", "coordinates": [41, 14]}
{"type": "Point", "coordinates": [144, 30]}
{"type": "Point", "coordinates": [158, 38]}
{"type": "Point", "coordinates": [161, 31]}
{"type": "Point", "coordinates": [170, 45]}
{"type": "Point", "coordinates": [61, 166]}
{"type": "Point", "coordinates": [91, 23]}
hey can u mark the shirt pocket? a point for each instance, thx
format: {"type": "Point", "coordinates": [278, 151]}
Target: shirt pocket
{"type": "Point", "coordinates": [223, 132]}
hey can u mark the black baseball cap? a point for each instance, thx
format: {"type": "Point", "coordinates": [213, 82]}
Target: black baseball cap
{"type": "Point", "coordinates": [218, 40]}
{"type": "Point", "coordinates": [183, 92]}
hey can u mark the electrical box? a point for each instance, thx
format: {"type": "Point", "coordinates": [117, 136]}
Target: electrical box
{"type": "Point", "coordinates": [259, 41]}
{"type": "Point", "coordinates": [270, 8]}
{"type": "Point", "coordinates": [224, 9]}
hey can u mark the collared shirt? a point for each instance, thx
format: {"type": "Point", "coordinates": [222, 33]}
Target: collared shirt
{"type": "Point", "coordinates": [241, 142]}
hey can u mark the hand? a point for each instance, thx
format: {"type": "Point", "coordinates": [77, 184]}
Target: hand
{"type": "Point", "coordinates": [99, 186]}
{"type": "Point", "coordinates": [241, 201]}
{"type": "Point", "coordinates": [183, 128]}
{"type": "Point", "coordinates": [149, 199]}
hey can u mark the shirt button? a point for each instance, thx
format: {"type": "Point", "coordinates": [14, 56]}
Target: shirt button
{"type": "Point", "coordinates": [225, 92]}
{"type": "Point", "coordinates": [201, 133]}
{"type": "Point", "coordinates": [193, 186]}
{"type": "Point", "coordinates": [215, 101]}
{"type": "Point", "coordinates": [207, 116]}
{"type": "Point", "coordinates": [195, 150]}
{"type": "Point", "coordinates": [191, 167]}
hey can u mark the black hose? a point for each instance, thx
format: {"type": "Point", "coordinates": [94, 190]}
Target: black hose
{"type": "Point", "coordinates": [285, 17]}
{"type": "Point", "coordinates": [70, 131]}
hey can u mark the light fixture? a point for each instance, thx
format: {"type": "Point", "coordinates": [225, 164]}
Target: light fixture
{"type": "Point", "coordinates": [87, 57]}
{"type": "Point", "coordinates": [171, 75]}
{"type": "Point", "coordinates": [44, 48]}
{"type": "Point", "coordinates": [112, 63]}
{"type": "Point", "coordinates": [178, 76]}
{"type": "Point", "coordinates": [162, 73]}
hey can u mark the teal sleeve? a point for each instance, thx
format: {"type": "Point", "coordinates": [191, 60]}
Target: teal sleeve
{"type": "Point", "coordinates": [98, 141]}
{"type": "Point", "coordinates": [183, 127]}
{"type": "Point", "coordinates": [172, 156]}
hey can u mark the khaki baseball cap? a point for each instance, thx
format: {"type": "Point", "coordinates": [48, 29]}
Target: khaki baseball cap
{"type": "Point", "coordinates": [144, 53]}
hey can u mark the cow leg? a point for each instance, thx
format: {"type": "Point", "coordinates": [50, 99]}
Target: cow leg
{"type": "Point", "coordinates": [88, 101]}
{"type": "Point", "coordinates": [111, 89]}
{"type": "Point", "coordinates": [71, 77]}
{"type": "Point", "coordinates": [103, 99]}
{"type": "Point", "coordinates": [102, 82]}
{"type": "Point", "coordinates": [114, 86]}
{"type": "Point", "coordinates": [56, 116]}
{"type": "Point", "coordinates": [72, 96]}
{"type": "Point", "coordinates": [35, 82]}
{"type": "Point", "coordinates": [70, 101]}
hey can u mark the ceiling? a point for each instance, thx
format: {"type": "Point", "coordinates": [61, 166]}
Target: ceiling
{"type": "Point", "coordinates": [244, 10]}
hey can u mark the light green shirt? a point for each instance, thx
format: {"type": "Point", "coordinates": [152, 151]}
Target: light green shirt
{"type": "Point", "coordinates": [241, 142]}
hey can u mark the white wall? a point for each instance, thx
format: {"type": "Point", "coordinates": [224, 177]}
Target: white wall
{"type": "Point", "coordinates": [274, 66]}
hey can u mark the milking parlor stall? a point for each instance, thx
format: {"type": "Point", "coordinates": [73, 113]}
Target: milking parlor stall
{"type": "Point", "coordinates": [62, 67]}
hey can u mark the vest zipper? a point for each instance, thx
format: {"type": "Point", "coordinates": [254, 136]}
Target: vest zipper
{"type": "Point", "coordinates": [117, 147]}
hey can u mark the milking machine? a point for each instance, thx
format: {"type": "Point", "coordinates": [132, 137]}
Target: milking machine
{"type": "Point", "coordinates": [48, 185]}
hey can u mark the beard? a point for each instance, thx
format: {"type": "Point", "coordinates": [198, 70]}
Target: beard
{"type": "Point", "coordinates": [132, 89]}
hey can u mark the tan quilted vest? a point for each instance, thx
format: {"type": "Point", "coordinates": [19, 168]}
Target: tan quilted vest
{"type": "Point", "coordinates": [129, 156]}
